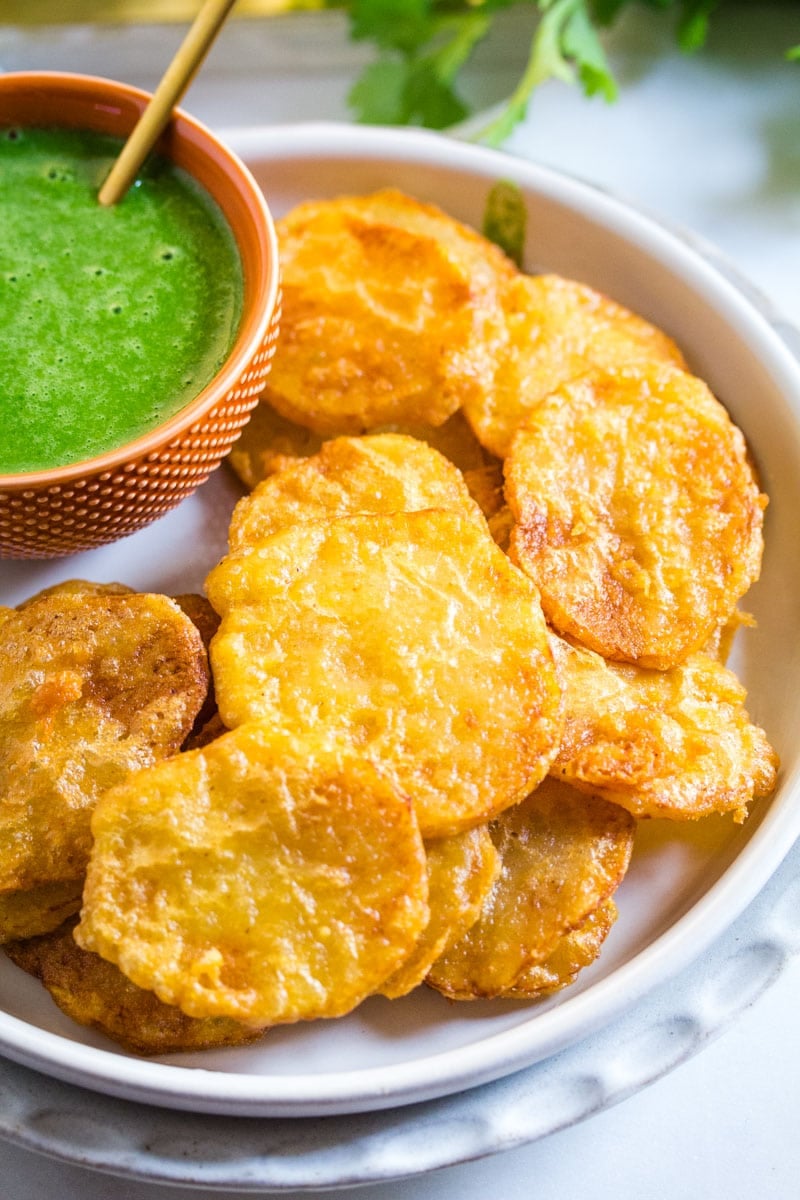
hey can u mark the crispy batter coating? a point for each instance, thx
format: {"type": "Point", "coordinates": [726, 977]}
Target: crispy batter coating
{"type": "Point", "coordinates": [573, 952]}
{"type": "Point", "coordinates": [270, 442]}
{"type": "Point", "coordinates": [454, 439]}
{"type": "Point", "coordinates": [206, 621]}
{"type": "Point", "coordinates": [461, 871]}
{"type": "Point", "coordinates": [265, 878]}
{"type": "Point", "coordinates": [385, 472]}
{"type": "Point", "coordinates": [675, 743]}
{"type": "Point", "coordinates": [562, 855]}
{"type": "Point", "coordinates": [411, 637]}
{"type": "Point", "coordinates": [91, 687]}
{"type": "Point", "coordinates": [485, 485]}
{"type": "Point", "coordinates": [94, 992]}
{"type": "Point", "coordinates": [557, 329]}
{"type": "Point", "coordinates": [391, 313]}
{"type": "Point", "coordinates": [77, 587]}
{"type": "Point", "coordinates": [26, 914]}
{"type": "Point", "coordinates": [637, 513]}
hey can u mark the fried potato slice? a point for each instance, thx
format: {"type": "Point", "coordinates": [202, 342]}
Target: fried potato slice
{"type": "Point", "coordinates": [637, 513]}
{"type": "Point", "coordinates": [77, 587]}
{"type": "Point", "coordinates": [26, 914]}
{"type": "Point", "coordinates": [454, 439]}
{"type": "Point", "coordinates": [95, 993]}
{"type": "Point", "coordinates": [206, 621]}
{"type": "Point", "coordinates": [558, 329]}
{"type": "Point", "coordinates": [265, 878]}
{"type": "Point", "coordinates": [461, 871]}
{"type": "Point", "coordinates": [411, 637]}
{"type": "Point", "coordinates": [675, 743]}
{"type": "Point", "coordinates": [270, 442]}
{"type": "Point", "coordinates": [386, 472]}
{"type": "Point", "coordinates": [574, 951]}
{"type": "Point", "coordinates": [562, 855]}
{"type": "Point", "coordinates": [391, 313]}
{"type": "Point", "coordinates": [91, 687]}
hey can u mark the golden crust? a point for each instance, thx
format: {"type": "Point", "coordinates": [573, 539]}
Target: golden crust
{"type": "Point", "coordinates": [77, 587]}
{"type": "Point", "coordinates": [573, 952]}
{"type": "Point", "coordinates": [25, 914]}
{"type": "Point", "coordinates": [91, 687]}
{"type": "Point", "coordinates": [461, 871]}
{"type": "Point", "coordinates": [386, 473]}
{"type": "Point", "coordinates": [637, 513]}
{"type": "Point", "coordinates": [411, 637]}
{"type": "Point", "coordinates": [390, 314]}
{"type": "Point", "coordinates": [95, 993]}
{"type": "Point", "coordinates": [557, 329]}
{"type": "Point", "coordinates": [675, 743]}
{"type": "Point", "coordinates": [562, 855]}
{"type": "Point", "coordinates": [270, 442]}
{"type": "Point", "coordinates": [265, 878]}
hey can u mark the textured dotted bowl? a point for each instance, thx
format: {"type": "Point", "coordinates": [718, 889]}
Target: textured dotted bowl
{"type": "Point", "coordinates": [60, 511]}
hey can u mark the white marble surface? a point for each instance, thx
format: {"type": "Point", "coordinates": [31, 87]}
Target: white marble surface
{"type": "Point", "coordinates": [711, 143]}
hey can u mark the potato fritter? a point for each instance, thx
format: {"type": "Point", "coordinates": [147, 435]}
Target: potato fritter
{"type": "Point", "coordinates": [391, 314]}
{"type": "Point", "coordinates": [557, 329]}
{"type": "Point", "coordinates": [270, 442]}
{"type": "Point", "coordinates": [675, 743]}
{"type": "Point", "coordinates": [573, 952]}
{"type": "Point", "coordinates": [461, 871]}
{"type": "Point", "coordinates": [562, 855]}
{"type": "Point", "coordinates": [94, 992]}
{"type": "Point", "coordinates": [411, 637]}
{"type": "Point", "coordinates": [267, 878]}
{"type": "Point", "coordinates": [92, 687]}
{"type": "Point", "coordinates": [637, 513]}
{"type": "Point", "coordinates": [77, 587]}
{"type": "Point", "coordinates": [25, 914]}
{"type": "Point", "coordinates": [386, 473]}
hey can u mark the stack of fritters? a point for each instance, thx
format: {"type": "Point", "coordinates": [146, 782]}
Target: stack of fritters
{"type": "Point", "coordinates": [497, 531]}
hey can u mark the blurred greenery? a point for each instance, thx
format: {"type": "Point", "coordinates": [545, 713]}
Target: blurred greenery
{"type": "Point", "coordinates": [421, 46]}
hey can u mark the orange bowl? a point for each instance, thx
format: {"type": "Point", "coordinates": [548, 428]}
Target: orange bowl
{"type": "Point", "coordinates": [65, 509]}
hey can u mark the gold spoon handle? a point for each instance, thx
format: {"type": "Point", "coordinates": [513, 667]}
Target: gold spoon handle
{"type": "Point", "coordinates": [173, 84]}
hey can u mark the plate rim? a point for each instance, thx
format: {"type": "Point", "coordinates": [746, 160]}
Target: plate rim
{"type": "Point", "coordinates": [496, 1055]}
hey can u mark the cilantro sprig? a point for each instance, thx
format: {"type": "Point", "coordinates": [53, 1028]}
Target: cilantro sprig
{"type": "Point", "coordinates": [422, 46]}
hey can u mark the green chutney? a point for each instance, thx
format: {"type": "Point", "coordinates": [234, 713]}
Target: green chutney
{"type": "Point", "coordinates": [111, 319]}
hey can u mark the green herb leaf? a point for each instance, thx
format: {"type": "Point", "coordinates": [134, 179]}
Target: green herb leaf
{"type": "Point", "coordinates": [565, 46]}
{"type": "Point", "coordinates": [505, 219]}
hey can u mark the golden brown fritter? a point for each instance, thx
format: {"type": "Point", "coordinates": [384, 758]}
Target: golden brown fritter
{"type": "Point", "coordinates": [675, 743]}
{"type": "Point", "coordinates": [94, 992]}
{"type": "Point", "coordinates": [391, 314]}
{"type": "Point", "coordinates": [573, 952]}
{"type": "Point", "coordinates": [461, 871]}
{"type": "Point", "coordinates": [386, 473]}
{"type": "Point", "coordinates": [637, 513]}
{"type": "Point", "coordinates": [557, 329]}
{"type": "Point", "coordinates": [270, 442]}
{"type": "Point", "coordinates": [25, 914]}
{"type": "Point", "coordinates": [266, 877]}
{"type": "Point", "coordinates": [411, 637]}
{"type": "Point", "coordinates": [92, 687]}
{"type": "Point", "coordinates": [562, 855]}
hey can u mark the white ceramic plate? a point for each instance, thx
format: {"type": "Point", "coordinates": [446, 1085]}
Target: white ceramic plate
{"type": "Point", "coordinates": [686, 885]}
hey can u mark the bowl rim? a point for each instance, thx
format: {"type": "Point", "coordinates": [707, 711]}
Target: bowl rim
{"type": "Point", "coordinates": [252, 329]}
